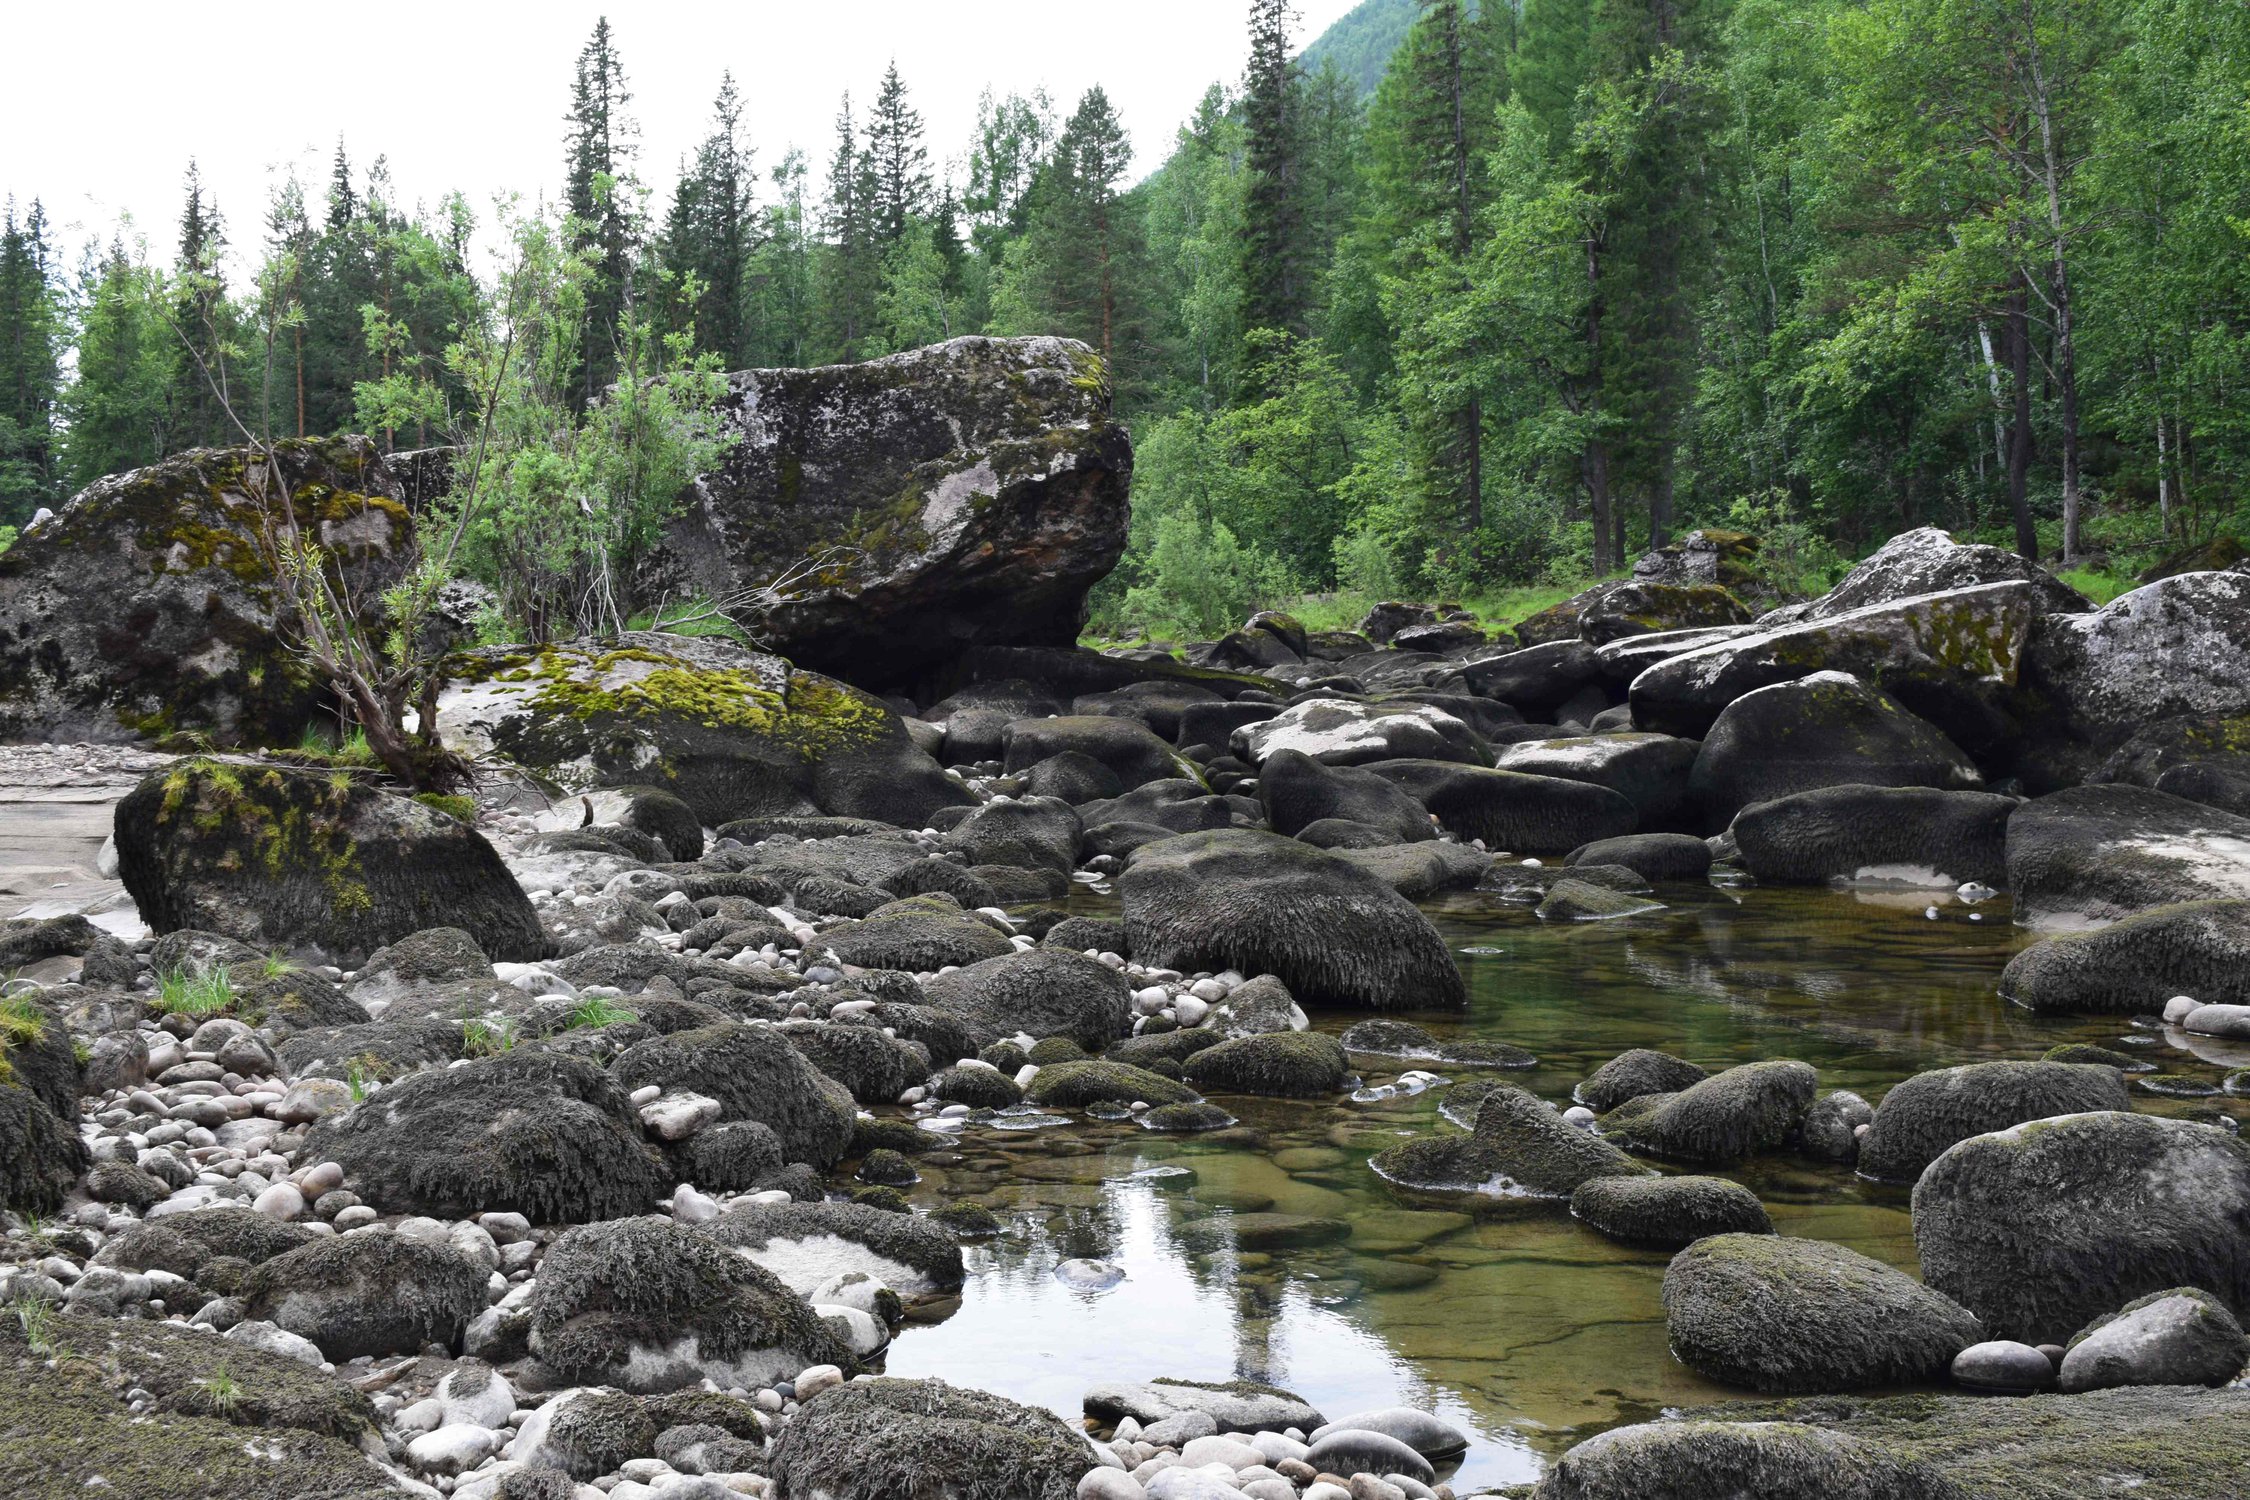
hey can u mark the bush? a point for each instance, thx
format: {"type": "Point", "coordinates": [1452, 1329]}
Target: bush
{"type": "Point", "coordinates": [1200, 581]}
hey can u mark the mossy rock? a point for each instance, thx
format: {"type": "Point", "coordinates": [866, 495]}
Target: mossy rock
{"type": "Point", "coordinates": [863, 1239]}
{"type": "Point", "coordinates": [285, 859]}
{"type": "Point", "coordinates": [368, 1294]}
{"type": "Point", "coordinates": [1742, 1112]}
{"type": "Point", "coordinates": [755, 1074]}
{"type": "Point", "coordinates": [1045, 992]}
{"type": "Point", "coordinates": [1520, 1148]}
{"type": "Point", "coordinates": [40, 1154]}
{"type": "Point", "coordinates": [885, 1438]}
{"type": "Point", "coordinates": [1076, 1084]}
{"type": "Point", "coordinates": [1924, 1115]}
{"type": "Point", "coordinates": [1668, 1212]}
{"type": "Point", "coordinates": [1288, 1064]}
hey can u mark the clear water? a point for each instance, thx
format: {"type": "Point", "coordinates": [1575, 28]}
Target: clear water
{"type": "Point", "coordinates": [1515, 1322]}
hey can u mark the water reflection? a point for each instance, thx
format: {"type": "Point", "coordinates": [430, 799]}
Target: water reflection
{"type": "Point", "coordinates": [1272, 1253]}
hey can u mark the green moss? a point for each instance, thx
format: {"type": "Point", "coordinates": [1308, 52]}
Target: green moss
{"type": "Point", "coordinates": [461, 809]}
{"type": "Point", "coordinates": [281, 823]}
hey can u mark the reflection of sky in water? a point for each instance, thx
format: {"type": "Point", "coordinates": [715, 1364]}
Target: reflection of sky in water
{"type": "Point", "coordinates": [1024, 1334]}
{"type": "Point", "coordinates": [1535, 1332]}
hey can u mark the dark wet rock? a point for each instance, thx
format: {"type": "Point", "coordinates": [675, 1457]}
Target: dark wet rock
{"type": "Point", "coordinates": [146, 608]}
{"type": "Point", "coordinates": [1624, 607]}
{"type": "Point", "coordinates": [651, 1306]}
{"type": "Point", "coordinates": [1825, 729]}
{"type": "Point", "coordinates": [539, 1134]}
{"type": "Point", "coordinates": [379, 1050]}
{"type": "Point", "coordinates": [40, 1154]}
{"type": "Point", "coordinates": [1288, 1064]}
{"type": "Point", "coordinates": [807, 1243]}
{"type": "Point", "coordinates": [2043, 1226]}
{"type": "Point", "coordinates": [1652, 856]}
{"type": "Point", "coordinates": [1361, 1450]}
{"type": "Point", "coordinates": [1200, 1115]}
{"type": "Point", "coordinates": [755, 1074]}
{"type": "Point", "coordinates": [2206, 751]}
{"type": "Point", "coordinates": [974, 717]}
{"type": "Point", "coordinates": [2184, 1336]}
{"type": "Point", "coordinates": [666, 818]}
{"type": "Point", "coordinates": [1159, 704]}
{"type": "Point", "coordinates": [1080, 1083]}
{"type": "Point", "coordinates": [1912, 835]}
{"type": "Point", "coordinates": [2178, 1443]}
{"type": "Point", "coordinates": [732, 1156]}
{"type": "Point", "coordinates": [24, 942]}
{"type": "Point", "coordinates": [977, 1087]}
{"type": "Point", "coordinates": [1034, 833]}
{"type": "Point", "coordinates": [964, 495]}
{"type": "Point", "coordinates": [1130, 749]}
{"type": "Point", "coordinates": [1629, 1075]}
{"type": "Point", "coordinates": [1744, 1111]}
{"type": "Point", "coordinates": [1175, 804]}
{"type": "Point", "coordinates": [1297, 791]}
{"type": "Point", "coordinates": [1922, 1117]}
{"type": "Point", "coordinates": [2178, 646]}
{"type": "Point", "coordinates": [1953, 658]}
{"type": "Point", "coordinates": [1044, 991]}
{"type": "Point", "coordinates": [1668, 1212]}
{"type": "Point", "coordinates": [1341, 732]}
{"type": "Point", "coordinates": [1387, 1038]}
{"type": "Point", "coordinates": [886, 1438]}
{"type": "Point", "coordinates": [917, 935]}
{"type": "Point", "coordinates": [1073, 777]}
{"type": "Point", "coordinates": [2092, 854]}
{"type": "Point", "coordinates": [1648, 770]}
{"type": "Point", "coordinates": [1257, 1007]}
{"type": "Point", "coordinates": [281, 859]}
{"type": "Point", "coordinates": [1520, 1148]}
{"type": "Point", "coordinates": [1569, 900]}
{"type": "Point", "coordinates": [1263, 904]}
{"type": "Point", "coordinates": [1421, 870]}
{"type": "Point", "coordinates": [1795, 1316]}
{"type": "Point", "coordinates": [1831, 1131]}
{"type": "Point", "coordinates": [374, 1293]}
{"type": "Point", "coordinates": [1512, 810]}
{"type": "Point", "coordinates": [874, 1067]}
{"type": "Point", "coordinates": [1535, 679]}
{"type": "Point", "coordinates": [435, 955]}
{"type": "Point", "coordinates": [734, 733]}
{"type": "Point", "coordinates": [2132, 967]}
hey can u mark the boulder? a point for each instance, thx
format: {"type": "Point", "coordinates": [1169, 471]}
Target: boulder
{"type": "Point", "coordinates": [1624, 607]}
{"type": "Point", "coordinates": [2177, 646]}
{"type": "Point", "coordinates": [1289, 1064]}
{"type": "Point", "coordinates": [1826, 729]}
{"type": "Point", "coordinates": [808, 1244]}
{"type": "Point", "coordinates": [536, 1133]}
{"type": "Point", "coordinates": [1884, 835]}
{"type": "Point", "coordinates": [1032, 833]}
{"type": "Point", "coordinates": [1953, 658]}
{"type": "Point", "coordinates": [435, 955]}
{"type": "Point", "coordinates": [146, 606]}
{"type": "Point", "coordinates": [1535, 679]}
{"type": "Point", "coordinates": [2088, 855]}
{"type": "Point", "coordinates": [886, 1438]}
{"type": "Point", "coordinates": [1648, 770]}
{"type": "Point", "coordinates": [1742, 1112]}
{"type": "Point", "coordinates": [1043, 991]}
{"type": "Point", "coordinates": [2184, 1336]}
{"type": "Point", "coordinates": [2177, 1443]}
{"type": "Point", "coordinates": [1263, 904]}
{"type": "Point", "coordinates": [1520, 1148]}
{"type": "Point", "coordinates": [368, 1294]}
{"type": "Point", "coordinates": [1922, 1117]}
{"type": "Point", "coordinates": [1634, 1073]}
{"type": "Point", "coordinates": [2202, 757]}
{"type": "Point", "coordinates": [1340, 732]}
{"type": "Point", "coordinates": [732, 732]}
{"type": "Point", "coordinates": [2132, 967]}
{"type": "Point", "coordinates": [755, 1074]}
{"type": "Point", "coordinates": [916, 934]}
{"type": "Point", "coordinates": [2040, 1227]}
{"type": "Point", "coordinates": [891, 515]}
{"type": "Point", "coordinates": [1512, 810]}
{"type": "Point", "coordinates": [1073, 777]}
{"type": "Point", "coordinates": [1652, 856]}
{"type": "Point", "coordinates": [1928, 561]}
{"type": "Point", "coordinates": [1297, 791]}
{"type": "Point", "coordinates": [1160, 704]}
{"type": "Point", "coordinates": [1421, 870]}
{"type": "Point", "coordinates": [1794, 1316]}
{"type": "Point", "coordinates": [874, 1067]}
{"type": "Point", "coordinates": [283, 859]}
{"type": "Point", "coordinates": [1130, 749]}
{"type": "Point", "coordinates": [651, 1306]}
{"type": "Point", "coordinates": [40, 1154]}
{"type": "Point", "coordinates": [1706, 555]}
{"type": "Point", "coordinates": [1667, 1212]}
{"type": "Point", "coordinates": [1231, 1406]}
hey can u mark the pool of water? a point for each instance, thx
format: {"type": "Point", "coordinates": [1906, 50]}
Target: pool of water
{"type": "Point", "coordinates": [1513, 1321]}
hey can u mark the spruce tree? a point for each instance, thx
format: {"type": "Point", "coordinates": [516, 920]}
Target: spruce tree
{"type": "Point", "coordinates": [898, 163]}
{"type": "Point", "coordinates": [852, 259]}
{"type": "Point", "coordinates": [1275, 294]}
{"type": "Point", "coordinates": [599, 148]}
{"type": "Point", "coordinates": [711, 231]}
{"type": "Point", "coordinates": [31, 345]}
{"type": "Point", "coordinates": [200, 316]}
{"type": "Point", "coordinates": [119, 405]}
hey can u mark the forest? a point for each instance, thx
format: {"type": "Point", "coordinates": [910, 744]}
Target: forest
{"type": "Point", "coordinates": [1463, 300]}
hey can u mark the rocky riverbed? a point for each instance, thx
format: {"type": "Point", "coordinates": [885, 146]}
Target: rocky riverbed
{"type": "Point", "coordinates": [1669, 1051]}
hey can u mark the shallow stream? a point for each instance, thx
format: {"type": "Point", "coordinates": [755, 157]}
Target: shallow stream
{"type": "Point", "coordinates": [1514, 1321]}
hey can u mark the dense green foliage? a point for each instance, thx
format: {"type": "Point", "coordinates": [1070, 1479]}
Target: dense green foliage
{"type": "Point", "coordinates": [1464, 299]}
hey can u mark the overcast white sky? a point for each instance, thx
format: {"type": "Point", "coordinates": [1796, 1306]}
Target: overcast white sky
{"type": "Point", "coordinates": [102, 105]}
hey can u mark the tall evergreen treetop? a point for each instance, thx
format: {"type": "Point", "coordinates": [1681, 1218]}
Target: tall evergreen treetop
{"type": "Point", "coordinates": [1275, 290]}
{"type": "Point", "coordinates": [899, 163]}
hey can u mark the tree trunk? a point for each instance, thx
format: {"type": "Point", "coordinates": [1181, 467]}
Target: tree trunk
{"type": "Point", "coordinates": [2066, 352]}
{"type": "Point", "coordinates": [2019, 432]}
{"type": "Point", "coordinates": [1596, 461]}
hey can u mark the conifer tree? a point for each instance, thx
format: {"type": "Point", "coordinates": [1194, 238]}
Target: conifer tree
{"type": "Point", "coordinates": [1275, 293]}
{"type": "Point", "coordinates": [599, 151]}
{"type": "Point", "coordinates": [31, 347]}
{"type": "Point", "coordinates": [898, 164]}
{"type": "Point", "coordinates": [710, 233]}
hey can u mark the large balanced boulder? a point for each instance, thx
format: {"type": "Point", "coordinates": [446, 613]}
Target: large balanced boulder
{"type": "Point", "coordinates": [886, 517]}
{"type": "Point", "coordinates": [147, 607]}
{"type": "Point", "coordinates": [537, 1133]}
{"type": "Point", "coordinates": [1263, 904]}
{"type": "Point", "coordinates": [283, 859]}
{"type": "Point", "coordinates": [2043, 1226]}
{"type": "Point", "coordinates": [1794, 1316]}
{"type": "Point", "coordinates": [885, 1439]}
{"type": "Point", "coordinates": [1925, 1115]}
{"type": "Point", "coordinates": [1921, 836]}
{"type": "Point", "coordinates": [2182, 1444]}
{"type": "Point", "coordinates": [651, 1306]}
{"type": "Point", "coordinates": [1953, 658]}
{"type": "Point", "coordinates": [1828, 729]}
{"type": "Point", "coordinates": [734, 733]}
{"type": "Point", "coordinates": [2195, 948]}
{"type": "Point", "coordinates": [2087, 855]}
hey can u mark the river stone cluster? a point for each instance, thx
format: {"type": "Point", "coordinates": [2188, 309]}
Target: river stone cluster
{"type": "Point", "coordinates": [564, 1140]}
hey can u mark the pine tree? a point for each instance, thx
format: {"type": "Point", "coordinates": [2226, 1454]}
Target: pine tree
{"type": "Point", "coordinates": [31, 345]}
{"type": "Point", "coordinates": [898, 164]}
{"type": "Point", "coordinates": [711, 231]}
{"type": "Point", "coordinates": [1274, 285]}
{"type": "Point", "coordinates": [201, 383]}
{"type": "Point", "coordinates": [599, 148]}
